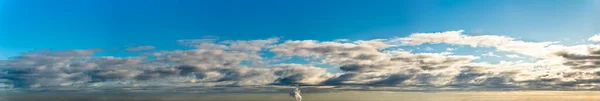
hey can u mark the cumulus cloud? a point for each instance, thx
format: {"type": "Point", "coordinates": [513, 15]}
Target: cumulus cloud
{"type": "Point", "coordinates": [359, 63]}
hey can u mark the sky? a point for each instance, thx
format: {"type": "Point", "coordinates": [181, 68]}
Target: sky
{"type": "Point", "coordinates": [402, 44]}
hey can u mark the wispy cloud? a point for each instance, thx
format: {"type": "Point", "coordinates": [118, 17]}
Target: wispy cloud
{"type": "Point", "coordinates": [490, 54]}
{"type": "Point", "coordinates": [140, 48]}
{"type": "Point", "coordinates": [513, 56]}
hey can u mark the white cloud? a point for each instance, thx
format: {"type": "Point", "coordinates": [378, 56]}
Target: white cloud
{"type": "Point", "coordinates": [446, 53]}
{"type": "Point", "coordinates": [595, 38]}
{"type": "Point", "coordinates": [490, 54]}
{"type": "Point", "coordinates": [501, 43]}
{"type": "Point", "coordinates": [341, 40]}
{"type": "Point", "coordinates": [513, 56]}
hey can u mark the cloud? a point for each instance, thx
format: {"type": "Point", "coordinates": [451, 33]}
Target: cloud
{"type": "Point", "coordinates": [203, 66]}
{"type": "Point", "coordinates": [501, 43]}
{"type": "Point", "coordinates": [595, 38]}
{"type": "Point", "coordinates": [140, 48]}
{"type": "Point", "coordinates": [194, 42]}
{"type": "Point", "coordinates": [50, 67]}
{"type": "Point", "coordinates": [369, 64]}
{"type": "Point", "coordinates": [587, 60]}
{"type": "Point", "coordinates": [290, 74]}
{"type": "Point", "coordinates": [490, 54]}
{"type": "Point", "coordinates": [556, 60]}
{"type": "Point", "coordinates": [360, 64]}
{"type": "Point", "coordinates": [513, 56]}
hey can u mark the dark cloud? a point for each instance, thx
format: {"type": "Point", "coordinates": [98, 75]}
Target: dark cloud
{"type": "Point", "coordinates": [289, 74]}
{"type": "Point", "coordinates": [340, 79]}
{"type": "Point", "coordinates": [360, 67]}
{"type": "Point", "coordinates": [162, 72]}
{"type": "Point", "coordinates": [588, 60]}
{"type": "Point", "coordinates": [392, 80]}
{"type": "Point", "coordinates": [468, 75]}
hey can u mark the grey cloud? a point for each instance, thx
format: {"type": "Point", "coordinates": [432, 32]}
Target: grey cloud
{"type": "Point", "coordinates": [366, 63]}
{"type": "Point", "coordinates": [363, 63]}
{"type": "Point", "coordinates": [434, 61]}
{"type": "Point", "coordinates": [582, 78]}
{"type": "Point", "coordinates": [576, 56]}
{"type": "Point", "coordinates": [162, 72]}
{"type": "Point", "coordinates": [580, 59]}
{"type": "Point", "coordinates": [250, 45]}
{"type": "Point", "coordinates": [392, 80]}
{"type": "Point", "coordinates": [64, 68]}
{"type": "Point", "coordinates": [299, 74]}
{"type": "Point", "coordinates": [588, 60]}
{"type": "Point", "coordinates": [140, 48]}
{"type": "Point", "coordinates": [112, 74]}
{"type": "Point", "coordinates": [352, 57]}
{"type": "Point", "coordinates": [496, 82]}
{"type": "Point", "coordinates": [340, 80]}
{"type": "Point", "coordinates": [31, 68]}
{"type": "Point", "coordinates": [328, 49]}
{"type": "Point", "coordinates": [469, 74]}
{"type": "Point", "coordinates": [361, 67]}
{"type": "Point", "coordinates": [489, 77]}
{"type": "Point", "coordinates": [187, 69]}
{"type": "Point", "coordinates": [239, 74]}
{"type": "Point", "coordinates": [193, 42]}
{"type": "Point", "coordinates": [210, 66]}
{"type": "Point", "coordinates": [218, 58]}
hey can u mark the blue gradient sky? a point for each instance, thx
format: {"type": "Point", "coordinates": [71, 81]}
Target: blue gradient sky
{"type": "Point", "coordinates": [80, 24]}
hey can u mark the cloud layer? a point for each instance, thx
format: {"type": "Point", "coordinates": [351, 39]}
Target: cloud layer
{"type": "Point", "coordinates": [359, 63]}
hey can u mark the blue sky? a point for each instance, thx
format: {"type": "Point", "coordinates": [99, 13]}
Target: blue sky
{"type": "Point", "coordinates": [70, 24]}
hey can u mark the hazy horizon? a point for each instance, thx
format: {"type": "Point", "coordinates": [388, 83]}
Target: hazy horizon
{"type": "Point", "coordinates": [332, 96]}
